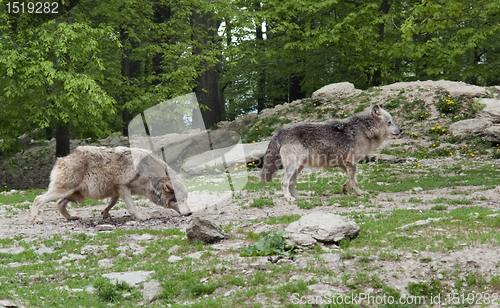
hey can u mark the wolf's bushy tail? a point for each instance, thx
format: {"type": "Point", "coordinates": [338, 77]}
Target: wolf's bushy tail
{"type": "Point", "coordinates": [272, 160]}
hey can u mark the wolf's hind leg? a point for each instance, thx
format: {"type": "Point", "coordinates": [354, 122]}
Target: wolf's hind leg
{"type": "Point", "coordinates": [61, 206]}
{"type": "Point", "coordinates": [126, 195]}
{"type": "Point", "coordinates": [293, 181]}
{"type": "Point", "coordinates": [111, 203]}
{"type": "Point", "coordinates": [41, 200]}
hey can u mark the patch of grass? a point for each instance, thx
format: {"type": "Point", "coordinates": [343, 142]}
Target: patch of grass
{"type": "Point", "coordinates": [439, 207]}
{"type": "Point", "coordinates": [423, 288]}
{"type": "Point", "coordinates": [310, 203]}
{"type": "Point", "coordinates": [261, 202]}
{"type": "Point", "coordinates": [109, 292]}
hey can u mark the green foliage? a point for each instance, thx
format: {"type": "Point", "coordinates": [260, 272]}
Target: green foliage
{"type": "Point", "coordinates": [271, 244]}
{"type": "Point", "coordinates": [261, 202]}
{"type": "Point", "coordinates": [108, 292]}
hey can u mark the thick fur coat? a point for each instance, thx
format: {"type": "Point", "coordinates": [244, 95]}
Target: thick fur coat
{"type": "Point", "coordinates": [333, 143]}
{"type": "Point", "coordinates": [100, 172]}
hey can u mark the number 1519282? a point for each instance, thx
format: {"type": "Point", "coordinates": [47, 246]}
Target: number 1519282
{"type": "Point", "coordinates": [32, 7]}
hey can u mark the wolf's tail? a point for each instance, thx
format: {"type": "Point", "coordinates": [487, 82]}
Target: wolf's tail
{"type": "Point", "coordinates": [272, 159]}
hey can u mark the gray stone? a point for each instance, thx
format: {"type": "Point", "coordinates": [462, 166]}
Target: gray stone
{"type": "Point", "coordinates": [43, 250]}
{"type": "Point", "coordinates": [470, 127]}
{"type": "Point", "coordinates": [143, 237]}
{"type": "Point", "coordinates": [12, 251]}
{"type": "Point", "coordinates": [330, 257]}
{"type": "Point", "coordinates": [323, 227]}
{"type": "Point", "coordinates": [229, 245]}
{"type": "Point", "coordinates": [325, 289]}
{"type": "Point", "coordinates": [299, 239]}
{"type": "Point", "coordinates": [491, 111]}
{"type": "Point", "coordinates": [93, 249]}
{"type": "Point", "coordinates": [99, 228]}
{"type": "Point", "coordinates": [106, 263]}
{"type": "Point", "coordinates": [7, 303]}
{"type": "Point", "coordinates": [173, 249]}
{"type": "Point", "coordinates": [204, 230]}
{"type": "Point", "coordinates": [173, 259]}
{"type": "Point", "coordinates": [195, 255]}
{"type": "Point", "coordinates": [71, 257]}
{"type": "Point", "coordinates": [492, 135]}
{"type": "Point", "coordinates": [151, 290]}
{"type": "Point", "coordinates": [131, 278]}
{"type": "Point", "coordinates": [385, 158]}
{"type": "Point", "coordinates": [419, 223]}
{"type": "Point", "coordinates": [335, 90]}
{"type": "Point", "coordinates": [138, 249]}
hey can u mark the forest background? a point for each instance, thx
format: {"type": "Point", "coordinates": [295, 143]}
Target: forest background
{"type": "Point", "coordinates": [85, 68]}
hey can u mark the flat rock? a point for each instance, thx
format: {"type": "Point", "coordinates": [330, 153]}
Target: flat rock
{"type": "Point", "coordinates": [151, 290]}
{"type": "Point", "coordinates": [229, 245]}
{"type": "Point", "coordinates": [93, 249]}
{"type": "Point", "coordinates": [100, 228]}
{"type": "Point", "coordinates": [172, 259]}
{"type": "Point", "coordinates": [42, 250]}
{"type": "Point", "coordinates": [12, 251]}
{"type": "Point", "coordinates": [106, 263]}
{"type": "Point", "coordinates": [131, 278]}
{"type": "Point", "coordinates": [7, 303]}
{"type": "Point", "coordinates": [204, 230]}
{"type": "Point", "coordinates": [470, 127]}
{"type": "Point", "coordinates": [453, 88]}
{"type": "Point", "coordinates": [323, 227]}
{"type": "Point", "coordinates": [195, 255]}
{"type": "Point", "coordinates": [418, 223]}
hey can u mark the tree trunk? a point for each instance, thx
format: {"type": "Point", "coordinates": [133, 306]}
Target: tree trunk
{"type": "Point", "coordinates": [261, 79]}
{"type": "Point", "coordinates": [208, 92]}
{"type": "Point", "coordinates": [384, 9]}
{"type": "Point", "coordinates": [62, 140]}
{"type": "Point", "coordinates": [130, 69]}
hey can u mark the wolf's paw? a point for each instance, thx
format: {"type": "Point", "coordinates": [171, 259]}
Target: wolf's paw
{"type": "Point", "coordinates": [36, 220]}
{"type": "Point", "coordinates": [359, 192]}
{"type": "Point", "coordinates": [73, 218]}
{"type": "Point", "coordinates": [105, 215]}
{"type": "Point", "coordinates": [289, 198]}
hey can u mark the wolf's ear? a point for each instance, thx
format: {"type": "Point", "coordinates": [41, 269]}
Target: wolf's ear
{"type": "Point", "coordinates": [169, 186]}
{"type": "Point", "coordinates": [381, 106]}
{"type": "Point", "coordinates": [376, 109]}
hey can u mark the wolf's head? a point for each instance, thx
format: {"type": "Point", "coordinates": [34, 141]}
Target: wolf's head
{"type": "Point", "coordinates": [175, 193]}
{"type": "Point", "coordinates": [388, 127]}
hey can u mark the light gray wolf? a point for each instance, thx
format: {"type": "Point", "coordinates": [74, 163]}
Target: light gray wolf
{"type": "Point", "coordinates": [101, 172]}
{"type": "Point", "coordinates": [332, 143]}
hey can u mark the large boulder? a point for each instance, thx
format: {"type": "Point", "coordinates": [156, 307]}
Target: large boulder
{"type": "Point", "coordinates": [204, 230]}
{"type": "Point", "coordinates": [335, 90]}
{"type": "Point", "coordinates": [470, 127]}
{"type": "Point", "coordinates": [492, 135]}
{"type": "Point", "coordinates": [321, 227]}
{"type": "Point", "coordinates": [491, 111]}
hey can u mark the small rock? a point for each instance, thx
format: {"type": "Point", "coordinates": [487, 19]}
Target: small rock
{"type": "Point", "coordinates": [204, 230]}
{"type": "Point", "coordinates": [174, 259]}
{"type": "Point", "coordinates": [42, 250]}
{"type": "Point", "coordinates": [100, 228]}
{"type": "Point", "coordinates": [195, 255]}
{"type": "Point", "coordinates": [138, 249]}
{"type": "Point", "coordinates": [106, 263]}
{"type": "Point", "coordinates": [151, 290]}
{"type": "Point", "coordinates": [131, 278]}
{"type": "Point", "coordinates": [12, 251]}
{"type": "Point", "coordinates": [173, 249]}
{"type": "Point", "coordinates": [440, 276]}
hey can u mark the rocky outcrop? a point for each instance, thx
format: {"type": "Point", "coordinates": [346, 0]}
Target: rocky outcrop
{"type": "Point", "coordinates": [335, 90]}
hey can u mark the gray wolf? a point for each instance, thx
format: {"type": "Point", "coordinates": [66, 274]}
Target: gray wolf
{"type": "Point", "coordinates": [332, 143]}
{"type": "Point", "coordinates": [100, 172]}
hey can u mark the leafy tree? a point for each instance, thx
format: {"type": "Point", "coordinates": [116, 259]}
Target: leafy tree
{"type": "Point", "coordinates": [52, 73]}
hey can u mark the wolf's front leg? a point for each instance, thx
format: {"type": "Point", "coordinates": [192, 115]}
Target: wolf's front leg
{"type": "Point", "coordinates": [351, 179]}
{"type": "Point", "coordinates": [126, 195]}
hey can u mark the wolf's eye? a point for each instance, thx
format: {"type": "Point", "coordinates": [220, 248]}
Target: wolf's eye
{"type": "Point", "coordinates": [390, 122]}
